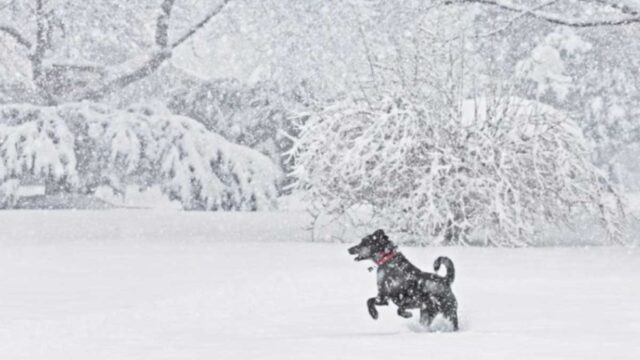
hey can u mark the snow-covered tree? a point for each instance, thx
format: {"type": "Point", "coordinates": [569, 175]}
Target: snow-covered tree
{"type": "Point", "coordinates": [486, 171]}
{"type": "Point", "coordinates": [58, 51]}
{"type": "Point", "coordinates": [55, 42]}
{"type": "Point", "coordinates": [80, 146]}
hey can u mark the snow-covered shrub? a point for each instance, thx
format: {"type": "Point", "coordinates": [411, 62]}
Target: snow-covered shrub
{"type": "Point", "coordinates": [81, 146]}
{"type": "Point", "coordinates": [35, 142]}
{"type": "Point", "coordinates": [204, 171]}
{"type": "Point", "coordinates": [484, 171]}
{"type": "Point", "coordinates": [252, 115]}
{"type": "Point", "coordinates": [9, 193]}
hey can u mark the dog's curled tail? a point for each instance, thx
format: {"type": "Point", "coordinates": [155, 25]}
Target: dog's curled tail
{"type": "Point", "coordinates": [448, 264]}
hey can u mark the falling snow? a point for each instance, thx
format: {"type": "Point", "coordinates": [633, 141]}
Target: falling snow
{"type": "Point", "coordinates": [183, 178]}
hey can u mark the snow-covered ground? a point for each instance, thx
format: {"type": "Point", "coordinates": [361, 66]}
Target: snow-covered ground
{"type": "Point", "coordinates": [142, 284]}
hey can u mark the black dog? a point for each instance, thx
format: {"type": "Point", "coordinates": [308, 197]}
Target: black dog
{"type": "Point", "coordinates": [405, 285]}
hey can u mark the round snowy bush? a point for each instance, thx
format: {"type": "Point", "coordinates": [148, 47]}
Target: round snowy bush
{"type": "Point", "coordinates": [78, 147]}
{"type": "Point", "coordinates": [484, 171]}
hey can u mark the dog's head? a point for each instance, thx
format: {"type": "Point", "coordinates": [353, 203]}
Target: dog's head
{"type": "Point", "coordinates": [372, 245]}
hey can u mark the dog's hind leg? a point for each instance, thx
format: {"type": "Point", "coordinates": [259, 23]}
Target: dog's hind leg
{"type": "Point", "coordinates": [453, 317]}
{"type": "Point", "coordinates": [371, 305]}
{"type": "Point", "coordinates": [451, 312]}
{"type": "Point", "coordinates": [426, 316]}
{"type": "Point", "coordinates": [428, 311]}
{"type": "Point", "coordinates": [404, 313]}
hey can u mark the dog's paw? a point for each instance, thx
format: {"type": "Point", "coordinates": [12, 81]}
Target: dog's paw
{"type": "Point", "coordinates": [373, 312]}
{"type": "Point", "coordinates": [372, 308]}
{"type": "Point", "coordinates": [405, 314]}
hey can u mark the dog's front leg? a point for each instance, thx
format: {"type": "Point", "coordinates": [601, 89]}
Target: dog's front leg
{"type": "Point", "coordinates": [371, 305]}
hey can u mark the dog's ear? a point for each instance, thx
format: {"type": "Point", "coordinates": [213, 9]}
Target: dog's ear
{"type": "Point", "coordinates": [390, 246]}
{"type": "Point", "coordinates": [379, 234]}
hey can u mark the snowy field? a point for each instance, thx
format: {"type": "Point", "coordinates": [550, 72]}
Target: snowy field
{"type": "Point", "coordinates": [135, 284]}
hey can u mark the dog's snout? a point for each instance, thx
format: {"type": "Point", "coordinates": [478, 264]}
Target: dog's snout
{"type": "Point", "coordinates": [353, 250]}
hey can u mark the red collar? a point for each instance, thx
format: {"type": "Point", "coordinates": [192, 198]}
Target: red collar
{"type": "Point", "coordinates": [385, 258]}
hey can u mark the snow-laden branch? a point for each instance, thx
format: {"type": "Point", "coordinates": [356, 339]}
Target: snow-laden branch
{"type": "Point", "coordinates": [85, 145]}
{"type": "Point", "coordinates": [19, 38]}
{"type": "Point", "coordinates": [560, 19]}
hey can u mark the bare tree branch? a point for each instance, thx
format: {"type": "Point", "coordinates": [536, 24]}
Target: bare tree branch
{"type": "Point", "coordinates": [508, 24]}
{"type": "Point", "coordinates": [621, 5]}
{"type": "Point", "coordinates": [560, 20]}
{"type": "Point", "coordinates": [43, 38]}
{"type": "Point", "coordinates": [515, 18]}
{"type": "Point", "coordinates": [122, 81]}
{"type": "Point", "coordinates": [41, 42]}
{"type": "Point", "coordinates": [16, 36]}
{"type": "Point", "coordinates": [200, 25]}
{"type": "Point", "coordinates": [159, 57]}
{"type": "Point", "coordinates": [162, 25]}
